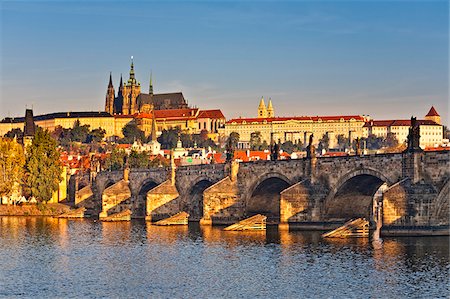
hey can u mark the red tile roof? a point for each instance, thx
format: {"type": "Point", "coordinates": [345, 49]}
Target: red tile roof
{"type": "Point", "coordinates": [398, 123]}
{"type": "Point", "coordinates": [176, 113]}
{"type": "Point", "coordinates": [432, 112]}
{"type": "Point", "coordinates": [298, 118]}
{"type": "Point", "coordinates": [215, 114]}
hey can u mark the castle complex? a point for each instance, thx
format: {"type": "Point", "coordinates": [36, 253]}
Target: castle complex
{"type": "Point", "coordinates": [300, 128]}
{"type": "Point", "coordinates": [130, 100]}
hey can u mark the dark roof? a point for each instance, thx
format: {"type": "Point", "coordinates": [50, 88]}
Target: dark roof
{"type": "Point", "coordinates": [432, 112]}
{"type": "Point", "coordinates": [176, 97]}
{"type": "Point", "coordinates": [58, 115]}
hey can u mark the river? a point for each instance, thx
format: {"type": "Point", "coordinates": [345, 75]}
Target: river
{"type": "Point", "coordinates": [44, 257]}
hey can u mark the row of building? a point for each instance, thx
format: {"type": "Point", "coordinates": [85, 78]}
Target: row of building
{"type": "Point", "coordinates": [171, 110]}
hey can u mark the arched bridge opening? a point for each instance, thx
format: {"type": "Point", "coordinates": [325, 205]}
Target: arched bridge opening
{"type": "Point", "coordinates": [140, 201]}
{"type": "Point", "coordinates": [265, 199]}
{"type": "Point", "coordinates": [355, 198]}
{"type": "Point", "coordinates": [195, 200]}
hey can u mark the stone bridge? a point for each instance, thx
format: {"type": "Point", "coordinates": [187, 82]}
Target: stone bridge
{"type": "Point", "coordinates": [310, 193]}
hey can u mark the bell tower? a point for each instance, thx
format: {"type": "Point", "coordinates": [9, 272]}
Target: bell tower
{"type": "Point", "coordinates": [130, 93]}
{"type": "Point", "coordinates": [262, 112]}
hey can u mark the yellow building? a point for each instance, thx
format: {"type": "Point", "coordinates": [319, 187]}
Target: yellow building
{"type": "Point", "coordinates": [189, 120]}
{"type": "Point", "coordinates": [431, 131]}
{"type": "Point", "coordinates": [294, 128]}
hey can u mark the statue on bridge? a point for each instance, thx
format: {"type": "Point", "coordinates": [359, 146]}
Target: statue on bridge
{"type": "Point", "coordinates": [275, 150]}
{"type": "Point", "coordinates": [413, 139]}
{"type": "Point", "coordinates": [311, 149]}
{"type": "Point", "coordinates": [357, 146]}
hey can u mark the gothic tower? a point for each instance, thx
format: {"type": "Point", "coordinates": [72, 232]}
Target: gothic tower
{"type": "Point", "coordinates": [150, 89]}
{"type": "Point", "coordinates": [262, 112]}
{"type": "Point", "coordinates": [130, 93]}
{"type": "Point", "coordinates": [110, 94]}
{"type": "Point", "coordinates": [118, 101]}
{"type": "Point", "coordinates": [270, 111]}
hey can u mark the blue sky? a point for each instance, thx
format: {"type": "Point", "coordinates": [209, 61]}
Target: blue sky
{"type": "Point", "coordinates": [388, 59]}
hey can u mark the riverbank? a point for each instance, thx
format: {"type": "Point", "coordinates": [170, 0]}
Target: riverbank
{"type": "Point", "coordinates": [51, 209]}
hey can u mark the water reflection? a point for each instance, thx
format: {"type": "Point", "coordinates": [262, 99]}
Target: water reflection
{"type": "Point", "coordinates": [129, 259]}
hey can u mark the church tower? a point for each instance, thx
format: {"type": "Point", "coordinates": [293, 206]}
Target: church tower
{"type": "Point", "coordinates": [433, 116]}
{"type": "Point", "coordinates": [270, 111]}
{"type": "Point", "coordinates": [262, 112]}
{"type": "Point", "coordinates": [150, 89]}
{"type": "Point", "coordinates": [110, 94]}
{"type": "Point", "coordinates": [130, 93]}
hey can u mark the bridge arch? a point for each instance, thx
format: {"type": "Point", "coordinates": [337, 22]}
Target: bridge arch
{"type": "Point", "coordinates": [140, 199]}
{"type": "Point", "coordinates": [352, 196]}
{"type": "Point", "coordinates": [439, 214]}
{"type": "Point", "coordinates": [194, 204]}
{"type": "Point", "coordinates": [264, 196]}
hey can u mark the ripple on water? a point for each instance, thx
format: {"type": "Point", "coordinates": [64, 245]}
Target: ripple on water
{"type": "Point", "coordinates": [46, 257]}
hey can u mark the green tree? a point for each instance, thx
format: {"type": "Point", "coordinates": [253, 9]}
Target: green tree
{"type": "Point", "coordinates": [116, 160]}
{"type": "Point", "coordinates": [18, 133]}
{"type": "Point", "coordinates": [169, 138]}
{"type": "Point", "coordinates": [131, 132]}
{"type": "Point", "coordinates": [12, 161]}
{"type": "Point", "coordinates": [139, 159]}
{"type": "Point", "coordinates": [43, 167]}
{"type": "Point", "coordinates": [79, 133]}
{"type": "Point", "coordinates": [96, 135]}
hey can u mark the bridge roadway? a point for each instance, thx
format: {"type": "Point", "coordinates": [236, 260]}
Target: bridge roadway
{"type": "Point", "coordinates": [309, 193]}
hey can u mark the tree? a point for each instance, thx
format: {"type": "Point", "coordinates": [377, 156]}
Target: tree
{"type": "Point", "coordinates": [116, 160]}
{"type": "Point", "coordinates": [12, 160]}
{"type": "Point", "coordinates": [288, 147]}
{"type": "Point", "coordinates": [18, 133]}
{"type": "Point", "coordinates": [43, 167]}
{"type": "Point", "coordinates": [168, 138]}
{"type": "Point", "coordinates": [139, 159]}
{"type": "Point", "coordinates": [234, 139]}
{"type": "Point", "coordinates": [79, 133]}
{"type": "Point", "coordinates": [343, 142]}
{"type": "Point", "coordinates": [255, 141]}
{"type": "Point", "coordinates": [96, 135]}
{"type": "Point", "coordinates": [390, 141]}
{"type": "Point", "coordinates": [324, 143]}
{"type": "Point", "coordinates": [131, 132]}
{"type": "Point", "coordinates": [373, 142]}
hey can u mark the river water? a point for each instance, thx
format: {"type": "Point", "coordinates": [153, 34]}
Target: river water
{"type": "Point", "coordinates": [45, 257]}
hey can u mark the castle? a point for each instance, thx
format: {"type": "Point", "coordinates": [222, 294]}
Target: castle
{"type": "Point", "coordinates": [130, 100]}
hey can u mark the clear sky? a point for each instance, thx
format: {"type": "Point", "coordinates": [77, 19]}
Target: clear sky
{"type": "Point", "coordinates": [388, 59]}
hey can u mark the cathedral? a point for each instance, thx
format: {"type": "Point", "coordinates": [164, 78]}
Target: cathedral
{"type": "Point", "coordinates": [130, 100]}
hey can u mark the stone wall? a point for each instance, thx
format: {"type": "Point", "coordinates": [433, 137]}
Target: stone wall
{"type": "Point", "coordinates": [222, 203]}
{"type": "Point", "coordinates": [116, 198]}
{"type": "Point", "coordinates": [161, 202]}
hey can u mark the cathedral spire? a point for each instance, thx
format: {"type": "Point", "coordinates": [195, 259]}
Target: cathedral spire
{"type": "Point", "coordinates": [132, 79]}
{"type": "Point", "coordinates": [150, 89]}
{"type": "Point", "coordinates": [153, 133]}
{"type": "Point", "coordinates": [110, 84]}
